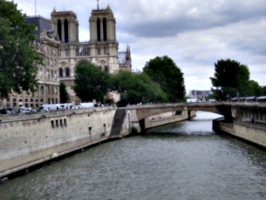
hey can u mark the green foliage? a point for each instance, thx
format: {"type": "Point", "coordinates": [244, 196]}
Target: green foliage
{"type": "Point", "coordinates": [164, 71]}
{"type": "Point", "coordinates": [64, 97]}
{"type": "Point", "coordinates": [91, 82]}
{"type": "Point", "coordinates": [253, 89]}
{"type": "Point", "coordinates": [230, 79]}
{"type": "Point", "coordinates": [263, 92]}
{"type": "Point", "coordinates": [137, 87]}
{"type": "Point", "coordinates": [18, 57]}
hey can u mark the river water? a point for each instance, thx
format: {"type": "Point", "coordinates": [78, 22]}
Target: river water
{"type": "Point", "coordinates": [186, 160]}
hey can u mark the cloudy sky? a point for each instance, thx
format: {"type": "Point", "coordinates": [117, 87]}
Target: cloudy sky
{"type": "Point", "coordinates": [194, 33]}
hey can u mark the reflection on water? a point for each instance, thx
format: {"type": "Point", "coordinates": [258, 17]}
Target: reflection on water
{"type": "Point", "coordinates": [186, 160]}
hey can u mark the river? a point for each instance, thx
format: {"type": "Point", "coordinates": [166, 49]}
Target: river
{"type": "Point", "coordinates": [186, 160]}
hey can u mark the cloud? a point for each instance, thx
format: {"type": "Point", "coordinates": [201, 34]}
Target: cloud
{"type": "Point", "coordinates": [194, 33]}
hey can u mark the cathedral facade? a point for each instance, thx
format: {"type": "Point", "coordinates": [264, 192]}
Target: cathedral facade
{"type": "Point", "coordinates": [58, 42]}
{"type": "Point", "coordinates": [101, 49]}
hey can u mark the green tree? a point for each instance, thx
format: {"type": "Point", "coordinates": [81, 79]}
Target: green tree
{"type": "Point", "coordinates": [253, 89]}
{"type": "Point", "coordinates": [18, 57]}
{"type": "Point", "coordinates": [91, 82]}
{"type": "Point", "coordinates": [137, 87]}
{"type": "Point", "coordinates": [64, 97]}
{"type": "Point", "coordinates": [263, 90]}
{"type": "Point", "coordinates": [230, 79]}
{"type": "Point", "coordinates": [164, 71]}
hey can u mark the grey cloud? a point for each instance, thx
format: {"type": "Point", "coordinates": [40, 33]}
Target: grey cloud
{"type": "Point", "coordinates": [181, 21]}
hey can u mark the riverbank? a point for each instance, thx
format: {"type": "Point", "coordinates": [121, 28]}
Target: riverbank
{"type": "Point", "coordinates": [254, 133]}
{"type": "Point", "coordinates": [29, 140]}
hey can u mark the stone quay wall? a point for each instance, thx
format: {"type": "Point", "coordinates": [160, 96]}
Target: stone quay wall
{"type": "Point", "coordinates": [167, 118]}
{"type": "Point", "coordinates": [253, 133]}
{"type": "Point", "coordinates": [27, 140]}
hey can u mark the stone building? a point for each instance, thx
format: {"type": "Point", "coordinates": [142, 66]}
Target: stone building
{"type": "Point", "coordinates": [59, 43]}
{"type": "Point", "coordinates": [101, 49]}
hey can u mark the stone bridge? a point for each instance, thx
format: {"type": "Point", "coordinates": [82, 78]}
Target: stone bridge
{"type": "Point", "coordinates": [144, 111]}
{"type": "Point", "coordinates": [232, 111]}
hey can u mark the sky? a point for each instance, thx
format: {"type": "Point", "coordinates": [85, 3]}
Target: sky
{"type": "Point", "coordinates": [195, 34]}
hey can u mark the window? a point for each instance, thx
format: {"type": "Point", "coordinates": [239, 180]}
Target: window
{"type": "Point", "coordinates": [98, 29]}
{"type": "Point", "coordinates": [104, 30]}
{"type": "Point", "coordinates": [41, 90]}
{"type": "Point", "coordinates": [59, 29]}
{"type": "Point", "coordinates": [60, 72]}
{"type": "Point", "coordinates": [67, 72]}
{"type": "Point", "coordinates": [66, 30]}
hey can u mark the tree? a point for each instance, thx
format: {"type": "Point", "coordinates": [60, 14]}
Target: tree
{"type": "Point", "coordinates": [164, 71]}
{"type": "Point", "coordinates": [18, 57]}
{"type": "Point", "coordinates": [63, 93]}
{"type": "Point", "coordinates": [91, 82]}
{"type": "Point", "coordinates": [253, 89]}
{"type": "Point", "coordinates": [137, 88]}
{"type": "Point", "coordinates": [263, 90]}
{"type": "Point", "coordinates": [230, 79]}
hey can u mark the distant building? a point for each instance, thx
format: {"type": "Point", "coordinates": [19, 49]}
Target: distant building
{"type": "Point", "coordinates": [199, 94]}
{"type": "Point", "coordinates": [58, 41]}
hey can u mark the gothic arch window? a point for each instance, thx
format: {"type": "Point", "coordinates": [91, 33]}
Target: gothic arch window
{"type": "Point", "coordinates": [59, 29]}
{"type": "Point", "coordinates": [66, 30]}
{"type": "Point", "coordinates": [98, 29]}
{"type": "Point", "coordinates": [104, 30]}
{"type": "Point", "coordinates": [67, 72]}
{"type": "Point", "coordinates": [60, 72]}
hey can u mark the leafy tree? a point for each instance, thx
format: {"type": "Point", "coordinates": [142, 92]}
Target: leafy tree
{"type": "Point", "coordinates": [230, 79]}
{"type": "Point", "coordinates": [164, 71]}
{"type": "Point", "coordinates": [253, 89]}
{"type": "Point", "coordinates": [137, 87]}
{"type": "Point", "coordinates": [63, 93]}
{"type": "Point", "coordinates": [18, 57]}
{"type": "Point", "coordinates": [91, 82]}
{"type": "Point", "coordinates": [263, 90]}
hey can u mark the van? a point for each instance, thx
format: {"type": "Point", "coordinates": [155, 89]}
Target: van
{"type": "Point", "coordinates": [47, 107]}
{"type": "Point", "coordinates": [86, 105]}
{"type": "Point", "coordinates": [66, 106]}
{"type": "Point", "coordinates": [26, 110]}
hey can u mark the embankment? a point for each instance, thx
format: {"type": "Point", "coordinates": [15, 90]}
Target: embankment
{"type": "Point", "coordinates": [254, 133]}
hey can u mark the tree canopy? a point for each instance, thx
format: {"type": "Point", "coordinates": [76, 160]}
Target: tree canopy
{"type": "Point", "coordinates": [91, 82]}
{"type": "Point", "coordinates": [18, 57]}
{"type": "Point", "coordinates": [164, 71]}
{"type": "Point", "coordinates": [137, 88]}
{"type": "Point", "coordinates": [230, 79]}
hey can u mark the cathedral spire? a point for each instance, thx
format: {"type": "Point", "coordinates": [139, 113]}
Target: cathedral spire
{"type": "Point", "coordinates": [97, 4]}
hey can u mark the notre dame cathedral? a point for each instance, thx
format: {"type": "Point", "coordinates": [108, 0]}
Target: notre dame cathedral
{"type": "Point", "coordinates": [58, 41]}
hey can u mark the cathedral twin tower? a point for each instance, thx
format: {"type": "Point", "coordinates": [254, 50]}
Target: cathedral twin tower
{"type": "Point", "coordinates": [102, 49]}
